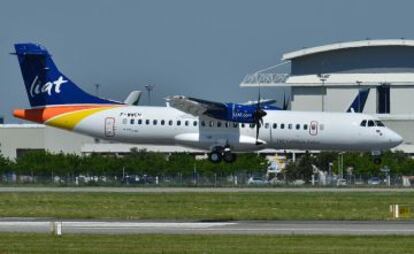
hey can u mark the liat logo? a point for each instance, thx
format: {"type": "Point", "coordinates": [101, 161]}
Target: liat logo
{"type": "Point", "coordinates": [37, 88]}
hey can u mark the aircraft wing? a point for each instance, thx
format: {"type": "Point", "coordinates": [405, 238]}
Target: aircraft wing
{"type": "Point", "coordinates": [262, 102]}
{"type": "Point", "coordinates": [196, 107]}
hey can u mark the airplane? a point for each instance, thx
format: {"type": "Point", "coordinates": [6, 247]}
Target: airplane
{"type": "Point", "coordinates": [221, 129]}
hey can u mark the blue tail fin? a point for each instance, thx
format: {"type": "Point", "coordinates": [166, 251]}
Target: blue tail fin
{"type": "Point", "coordinates": [359, 102]}
{"type": "Point", "coordinates": [45, 84]}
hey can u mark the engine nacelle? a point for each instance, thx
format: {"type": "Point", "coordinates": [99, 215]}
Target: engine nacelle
{"type": "Point", "coordinates": [240, 113]}
{"type": "Point", "coordinates": [234, 113]}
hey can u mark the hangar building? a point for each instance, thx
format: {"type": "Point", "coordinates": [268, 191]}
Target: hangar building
{"type": "Point", "coordinates": [328, 78]}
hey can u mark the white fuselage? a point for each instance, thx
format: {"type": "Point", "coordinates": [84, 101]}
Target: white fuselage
{"type": "Point", "coordinates": [280, 130]}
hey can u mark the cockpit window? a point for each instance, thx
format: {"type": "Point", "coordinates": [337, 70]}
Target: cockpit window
{"type": "Point", "coordinates": [371, 123]}
{"type": "Point", "coordinates": [364, 123]}
{"type": "Point", "coordinates": [379, 123]}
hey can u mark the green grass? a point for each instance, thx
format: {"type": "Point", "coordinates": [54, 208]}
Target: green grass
{"type": "Point", "coordinates": [204, 206]}
{"type": "Point", "coordinates": [43, 243]}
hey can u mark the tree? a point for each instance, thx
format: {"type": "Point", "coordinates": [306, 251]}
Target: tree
{"type": "Point", "coordinates": [301, 169]}
{"type": "Point", "coordinates": [6, 165]}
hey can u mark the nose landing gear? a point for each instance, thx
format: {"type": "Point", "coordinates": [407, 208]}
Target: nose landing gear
{"type": "Point", "coordinates": [221, 153]}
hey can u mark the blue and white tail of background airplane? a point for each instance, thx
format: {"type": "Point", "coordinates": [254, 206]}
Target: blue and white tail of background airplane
{"type": "Point", "coordinates": [359, 102]}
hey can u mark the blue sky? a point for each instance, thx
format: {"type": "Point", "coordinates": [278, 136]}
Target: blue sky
{"type": "Point", "coordinates": [189, 47]}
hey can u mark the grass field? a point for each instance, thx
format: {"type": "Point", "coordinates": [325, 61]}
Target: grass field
{"type": "Point", "coordinates": [204, 206]}
{"type": "Point", "coordinates": [43, 243]}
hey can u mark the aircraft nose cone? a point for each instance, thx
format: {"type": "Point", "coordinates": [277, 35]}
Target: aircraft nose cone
{"type": "Point", "coordinates": [395, 139]}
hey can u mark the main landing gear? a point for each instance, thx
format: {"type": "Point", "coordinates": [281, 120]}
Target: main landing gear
{"type": "Point", "coordinates": [221, 153]}
{"type": "Point", "coordinates": [376, 157]}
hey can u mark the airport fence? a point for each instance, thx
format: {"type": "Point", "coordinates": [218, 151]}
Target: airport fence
{"type": "Point", "coordinates": [212, 180]}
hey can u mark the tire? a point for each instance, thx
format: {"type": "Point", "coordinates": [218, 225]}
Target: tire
{"type": "Point", "coordinates": [215, 157]}
{"type": "Point", "coordinates": [229, 157]}
{"type": "Point", "coordinates": [377, 160]}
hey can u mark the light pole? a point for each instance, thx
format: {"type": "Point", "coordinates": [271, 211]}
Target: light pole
{"type": "Point", "coordinates": [323, 78]}
{"type": "Point", "coordinates": [149, 88]}
{"type": "Point", "coordinates": [97, 86]}
{"type": "Point", "coordinates": [341, 164]}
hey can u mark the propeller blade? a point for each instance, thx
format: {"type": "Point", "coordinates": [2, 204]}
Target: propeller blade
{"type": "Point", "coordinates": [258, 117]}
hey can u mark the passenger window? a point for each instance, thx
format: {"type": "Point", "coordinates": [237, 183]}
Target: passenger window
{"type": "Point", "coordinates": [203, 123]}
{"type": "Point", "coordinates": [363, 123]}
{"type": "Point", "coordinates": [132, 121]}
{"type": "Point", "coordinates": [251, 125]}
{"type": "Point", "coordinates": [211, 123]}
{"type": "Point", "coordinates": [235, 125]}
{"type": "Point", "coordinates": [305, 127]}
{"type": "Point", "coordinates": [139, 121]}
{"type": "Point", "coordinates": [282, 126]}
{"type": "Point", "coordinates": [242, 125]}
{"type": "Point", "coordinates": [226, 124]}
{"type": "Point", "coordinates": [147, 122]}
{"type": "Point", "coordinates": [379, 123]}
{"type": "Point", "coordinates": [371, 123]}
{"type": "Point", "coordinates": [162, 122]}
{"type": "Point", "coordinates": [186, 123]}
{"type": "Point", "coordinates": [290, 126]}
{"type": "Point", "coordinates": [124, 121]}
{"type": "Point", "coordinates": [178, 122]}
{"type": "Point", "coordinates": [297, 126]}
{"type": "Point", "coordinates": [154, 122]}
{"type": "Point", "coordinates": [195, 123]}
{"type": "Point", "coordinates": [266, 125]}
{"type": "Point", "coordinates": [274, 126]}
{"type": "Point", "coordinates": [218, 124]}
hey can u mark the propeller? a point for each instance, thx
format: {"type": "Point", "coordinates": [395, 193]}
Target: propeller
{"type": "Point", "coordinates": [258, 115]}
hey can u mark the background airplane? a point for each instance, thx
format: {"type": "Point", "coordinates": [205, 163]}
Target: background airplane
{"type": "Point", "coordinates": [220, 128]}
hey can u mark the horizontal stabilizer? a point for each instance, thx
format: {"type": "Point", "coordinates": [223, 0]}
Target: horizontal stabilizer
{"type": "Point", "coordinates": [133, 98]}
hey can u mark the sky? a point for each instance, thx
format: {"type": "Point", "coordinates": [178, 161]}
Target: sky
{"type": "Point", "coordinates": [182, 47]}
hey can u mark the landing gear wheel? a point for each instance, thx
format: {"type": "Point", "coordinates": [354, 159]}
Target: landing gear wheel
{"type": "Point", "coordinates": [215, 157]}
{"type": "Point", "coordinates": [376, 157]}
{"type": "Point", "coordinates": [377, 160]}
{"type": "Point", "coordinates": [229, 157]}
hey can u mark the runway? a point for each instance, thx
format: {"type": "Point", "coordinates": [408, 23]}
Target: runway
{"type": "Point", "coordinates": [194, 189]}
{"type": "Point", "coordinates": [237, 227]}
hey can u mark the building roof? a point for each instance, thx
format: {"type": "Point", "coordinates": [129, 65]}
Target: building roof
{"type": "Point", "coordinates": [346, 45]}
{"type": "Point", "coordinates": [22, 126]}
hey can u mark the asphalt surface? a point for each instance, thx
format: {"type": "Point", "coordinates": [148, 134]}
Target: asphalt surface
{"type": "Point", "coordinates": [195, 190]}
{"type": "Point", "coordinates": [244, 227]}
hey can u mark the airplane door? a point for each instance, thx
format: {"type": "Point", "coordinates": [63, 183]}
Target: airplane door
{"type": "Point", "coordinates": [313, 128]}
{"type": "Point", "coordinates": [109, 127]}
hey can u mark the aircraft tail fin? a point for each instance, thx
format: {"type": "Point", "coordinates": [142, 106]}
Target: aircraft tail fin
{"type": "Point", "coordinates": [359, 102]}
{"type": "Point", "coordinates": [45, 84]}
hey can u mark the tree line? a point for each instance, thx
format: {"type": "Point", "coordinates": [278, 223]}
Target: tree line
{"type": "Point", "coordinates": [43, 163]}
{"type": "Point", "coordinates": [397, 162]}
